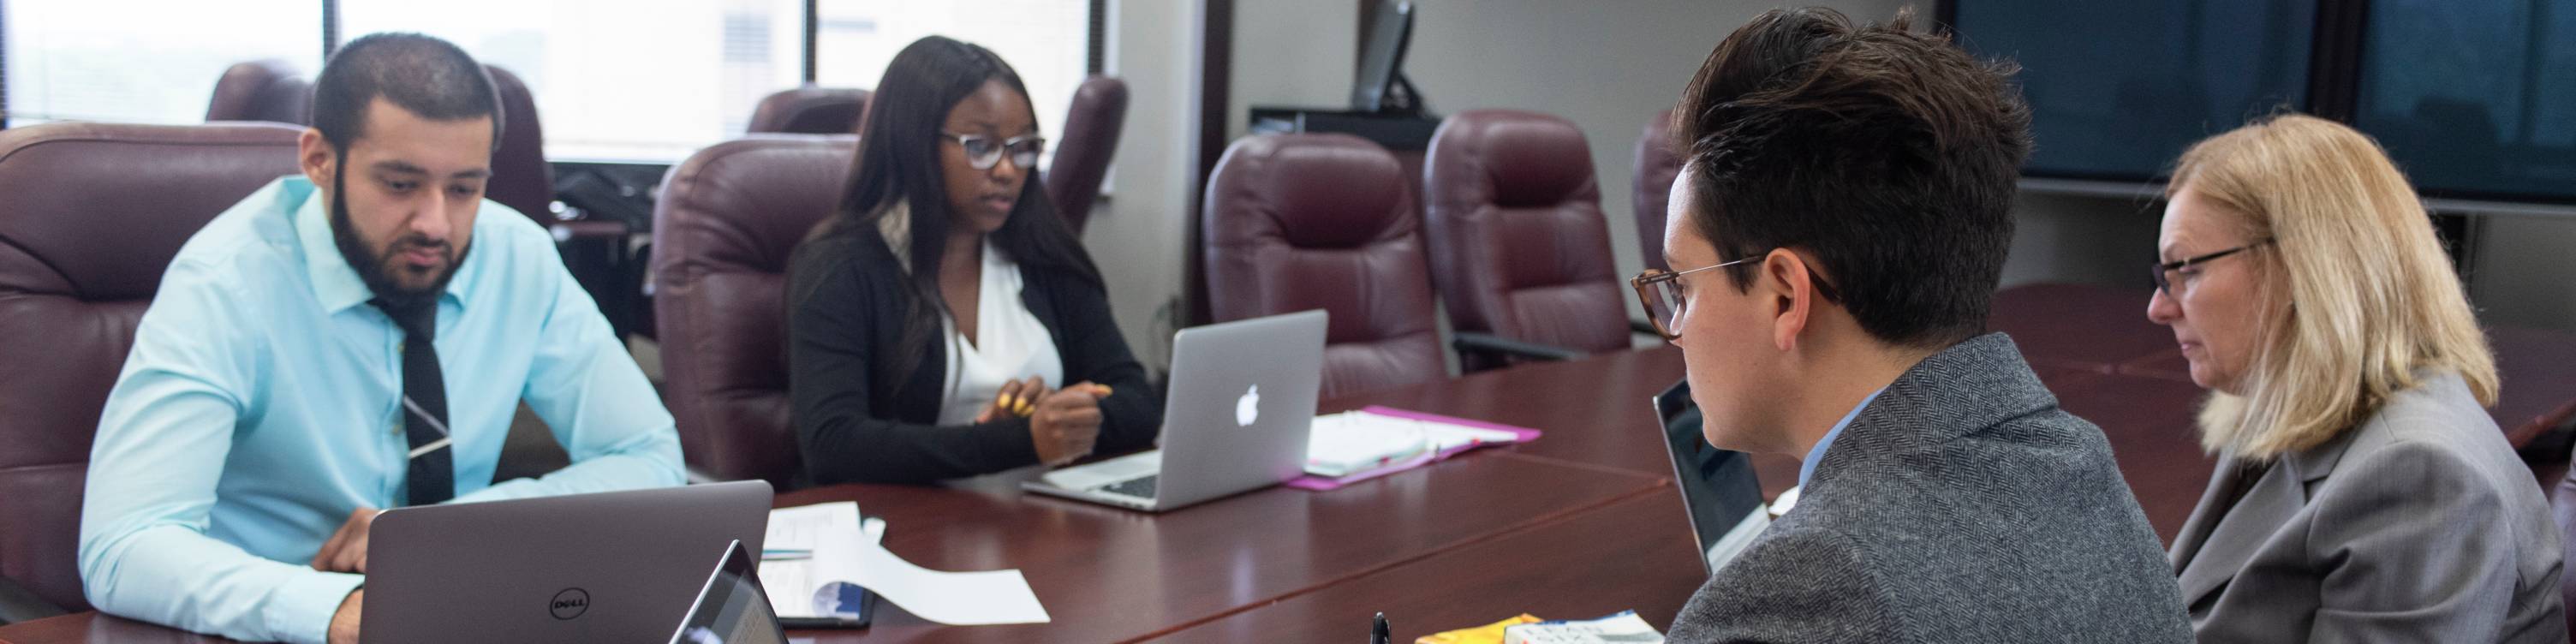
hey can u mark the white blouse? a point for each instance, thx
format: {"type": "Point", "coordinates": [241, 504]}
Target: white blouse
{"type": "Point", "coordinates": [1010, 344]}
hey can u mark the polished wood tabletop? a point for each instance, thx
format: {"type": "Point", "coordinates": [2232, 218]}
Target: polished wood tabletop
{"type": "Point", "coordinates": [1112, 575]}
{"type": "Point", "coordinates": [1635, 554]}
{"type": "Point", "coordinates": [1580, 523]}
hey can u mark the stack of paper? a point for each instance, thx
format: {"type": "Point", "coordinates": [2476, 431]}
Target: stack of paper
{"type": "Point", "coordinates": [834, 548]}
{"type": "Point", "coordinates": [1623, 628]}
{"type": "Point", "coordinates": [1356, 445]}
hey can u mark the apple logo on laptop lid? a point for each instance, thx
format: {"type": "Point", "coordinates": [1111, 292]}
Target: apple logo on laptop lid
{"type": "Point", "coordinates": [1248, 408]}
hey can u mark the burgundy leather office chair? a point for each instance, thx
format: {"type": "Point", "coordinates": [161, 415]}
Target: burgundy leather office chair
{"type": "Point", "coordinates": [1519, 246]}
{"type": "Point", "coordinates": [1083, 151]}
{"type": "Point", "coordinates": [1325, 221]}
{"type": "Point", "coordinates": [262, 90]}
{"type": "Point", "coordinates": [593, 248]}
{"type": "Point", "coordinates": [93, 215]}
{"type": "Point", "coordinates": [520, 177]}
{"type": "Point", "coordinates": [809, 110]}
{"type": "Point", "coordinates": [1657, 164]}
{"type": "Point", "coordinates": [728, 218]}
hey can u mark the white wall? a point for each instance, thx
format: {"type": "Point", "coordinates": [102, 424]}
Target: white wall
{"type": "Point", "coordinates": [1137, 236]}
{"type": "Point", "coordinates": [2524, 275]}
{"type": "Point", "coordinates": [1291, 53]}
{"type": "Point", "coordinates": [1607, 66]}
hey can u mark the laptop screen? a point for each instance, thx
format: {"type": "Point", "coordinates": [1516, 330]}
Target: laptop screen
{"type": "Point", "coordinates": [731, 609]}
{"type": "Point", "coordinates": [1718, 486]}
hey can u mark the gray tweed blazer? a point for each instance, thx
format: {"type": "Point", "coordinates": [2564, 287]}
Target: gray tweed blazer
{"type": "Point", "coordinates": [1961, 506]}
{"type": "Point", "coordinates": [2418, 525]}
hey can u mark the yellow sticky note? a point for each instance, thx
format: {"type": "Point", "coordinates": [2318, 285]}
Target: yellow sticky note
{"type": "Point", "coordinates": [1486, 634]}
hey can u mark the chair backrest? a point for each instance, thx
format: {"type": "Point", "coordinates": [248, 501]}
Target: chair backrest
{"type": "Point", "coordinates": [809, 110]}
{"type": "Point", "coordinates": [521, 179]}
{"type": "Point", "coordinates": [1518, 243]}
{"type": "Point", "coordinates": [1083, 151]}
{"type": "Point", "coordinates": [262, 90]}
{"type": "Point", "coordinates": [728, 218]}
{"type": "Point", "coordinates": [1325, 221]}
{"type": "Point", "coordinates": [1657, 164]}
{"type": "Point", "coordinates": [93, 215]}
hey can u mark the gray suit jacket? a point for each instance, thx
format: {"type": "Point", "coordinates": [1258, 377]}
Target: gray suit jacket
{"type": "Point", "coordinates": [1961, 506]}
{"type": "Point", "coordinates": [2418, 526]}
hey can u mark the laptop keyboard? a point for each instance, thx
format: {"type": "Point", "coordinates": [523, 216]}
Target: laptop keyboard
{"type": "Point", "coordinates": [1142, 488]}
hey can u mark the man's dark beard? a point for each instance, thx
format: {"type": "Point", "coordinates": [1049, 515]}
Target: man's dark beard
{"type": "Point", "coordinates": [370, 266]}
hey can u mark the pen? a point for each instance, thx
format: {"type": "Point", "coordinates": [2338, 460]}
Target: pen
{"type": "Point", "coordinates": [785, 553]}
{"type": "Point", "coordinates": [1378, 632]}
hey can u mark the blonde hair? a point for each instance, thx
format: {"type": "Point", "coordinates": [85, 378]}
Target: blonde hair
{"type": "Point", "coordinates": [2356, 299]}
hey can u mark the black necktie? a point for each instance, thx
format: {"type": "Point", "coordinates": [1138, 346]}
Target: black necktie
{"type": "Point", "coordinates": [424, 403]}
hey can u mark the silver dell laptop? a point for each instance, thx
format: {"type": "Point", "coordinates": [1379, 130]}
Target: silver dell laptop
{"type": "Point", "coordinates": [606, 567]}
{"type": "Point", "coordinates": [1241, 400]}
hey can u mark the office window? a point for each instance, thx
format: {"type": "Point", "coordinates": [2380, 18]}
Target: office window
{"type": "Point", "coordinates": [143, 62]}
{"type": "Point", "coordinates": [1046, 41]}
{"type": "Point", "coordinates": [618, 80]}
{"type": "Point", "coordinates": [2474, 98]}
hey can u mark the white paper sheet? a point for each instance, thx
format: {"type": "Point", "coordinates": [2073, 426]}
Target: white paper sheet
{"type": "Point", "coordinates": [990, 597]}
{"type": "Point", "coordinates": [1356, 441]}
{"type": "Point", "coordinates": [961, 598]}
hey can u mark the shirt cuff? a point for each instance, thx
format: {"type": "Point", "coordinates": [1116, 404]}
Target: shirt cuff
{"type": "Point", "coordinates": [301, 609]}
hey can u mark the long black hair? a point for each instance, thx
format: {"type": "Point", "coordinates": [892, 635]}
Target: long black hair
{"type": "Point", "coordinates": [898, 162]}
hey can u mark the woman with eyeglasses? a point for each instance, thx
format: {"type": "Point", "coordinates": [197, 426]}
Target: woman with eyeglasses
{"type": "Point", "coordinates": [2362, 493]}
{"type": "Point", "coordinates": [945, 323]}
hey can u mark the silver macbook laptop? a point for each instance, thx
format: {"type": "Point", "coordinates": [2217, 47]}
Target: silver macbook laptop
{"type": "Point", "coordinates": [1241, 400]}
{"type": "Point", "coordinates": [607, 567]}
{"type": "Point", "coordinates": [1718, 486]}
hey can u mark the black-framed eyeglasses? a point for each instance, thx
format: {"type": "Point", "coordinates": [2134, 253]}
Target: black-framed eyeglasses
{"type": "Point", "coordinates": [984, 151]}
{"type": "Point", "coordinates": [2164, 284]}
{"type": "Point", "coordinates": [1665, 298]}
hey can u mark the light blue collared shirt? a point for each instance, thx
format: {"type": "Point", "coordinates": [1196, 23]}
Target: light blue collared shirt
{"type": "Point", "coordinates": [1807, 468]}
{"type": "Point", "coordinates": [260, 406]}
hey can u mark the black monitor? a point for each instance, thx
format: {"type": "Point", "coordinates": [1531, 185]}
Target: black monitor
{"type": "Point", "coordinates": [1380, 85]}
{"type": "Point", "coordinates": [2118, 89]}
{"type": "Point", "coordinates": [2474, 99]}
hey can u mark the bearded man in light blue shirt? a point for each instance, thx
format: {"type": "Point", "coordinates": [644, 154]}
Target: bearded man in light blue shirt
{"type": "Point", "coordinates": [354, 338]}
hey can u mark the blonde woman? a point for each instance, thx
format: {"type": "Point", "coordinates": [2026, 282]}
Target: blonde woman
{"type": "Point", "coordinates": [2362, 494]}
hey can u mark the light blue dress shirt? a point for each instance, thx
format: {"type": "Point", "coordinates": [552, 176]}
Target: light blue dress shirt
{"type": "Point", "coordinates": [260, 406]}
{"type": "Point", "coordinates": [1807, 468]}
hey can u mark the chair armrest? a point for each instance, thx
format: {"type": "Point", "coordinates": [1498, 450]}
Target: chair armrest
{"type": "Point", "coordinates": [17, 604]}
{"type": "Point", "coordinates": [1493, 345]}
{"type": "Point", "coordinates": [587, 229]}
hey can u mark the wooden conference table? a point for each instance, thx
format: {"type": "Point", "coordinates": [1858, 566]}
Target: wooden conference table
{"type": "Point", "coordinates": [1581, 523]}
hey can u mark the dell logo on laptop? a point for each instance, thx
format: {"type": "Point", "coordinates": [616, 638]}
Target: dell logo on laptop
{"type": "Point", "coordinates": [570, 603]}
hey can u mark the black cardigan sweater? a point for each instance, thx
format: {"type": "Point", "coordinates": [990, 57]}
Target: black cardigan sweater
{"type": "Point", "coordinates": [845, 314]}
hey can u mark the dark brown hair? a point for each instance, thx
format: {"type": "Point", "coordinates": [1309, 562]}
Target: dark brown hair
{"type": "Point", "coordinates": [1889, 155]}
{"type": "Point", "coordinates": [898, 162]}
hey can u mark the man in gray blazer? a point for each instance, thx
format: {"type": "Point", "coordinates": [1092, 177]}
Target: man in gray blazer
{"type": "Point", "coordinates": [1836, 235]}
